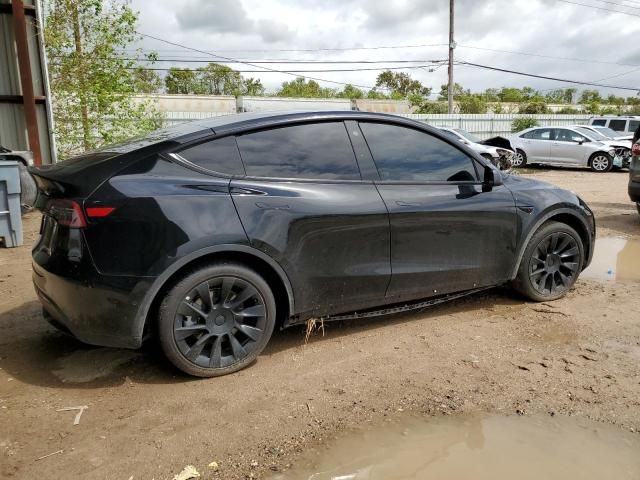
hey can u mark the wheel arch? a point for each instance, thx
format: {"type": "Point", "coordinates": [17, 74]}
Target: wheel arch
{"type": "Point", "coordinates": [263, 264]}
{"type": "Point", "coordinates": [566, 216]}
{"type": "Point", "coordinates": [594, 154]}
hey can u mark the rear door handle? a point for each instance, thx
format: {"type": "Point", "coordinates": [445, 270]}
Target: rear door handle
{"type": "Point", "coordinates": [400, 203]}
{"type": "Point", "coordinates": [272, 206]}
{"type": "Point", "coordinates": [245, 191]}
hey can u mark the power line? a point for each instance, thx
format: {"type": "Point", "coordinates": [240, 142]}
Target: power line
{"type": "Point", "coordinates": [528, 54]}
{"type": "Point", "coordinates": [618, 4]}
{"type": "Point", "coordinates": [380, 47]}
{"type": "Point", "coordinates": [600, 8]}
{"type": "Point", "coordinates": [544, 77]}
{"type": "Point", "coordinates": [377, 69]}
{"type": "Point", "coordinates": [251, 64]}
{"type": "Point", "coordinates": [272, 61]}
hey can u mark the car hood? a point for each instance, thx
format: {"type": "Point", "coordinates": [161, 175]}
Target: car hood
{"type": "Point", "coordinates": [617, 143]}
{"type": "Point", "coordinates": [527, 191]}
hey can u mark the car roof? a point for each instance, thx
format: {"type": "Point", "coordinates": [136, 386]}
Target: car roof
{"type": "Point", "coordinates": [234, 123]}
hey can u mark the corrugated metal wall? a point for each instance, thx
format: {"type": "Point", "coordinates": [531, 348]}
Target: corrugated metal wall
{"type": "Point", "coordinates": [13, 128]}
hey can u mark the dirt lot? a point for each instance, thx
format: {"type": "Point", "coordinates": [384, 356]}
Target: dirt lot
{"type": "Point", "coordinates": [491, 352]}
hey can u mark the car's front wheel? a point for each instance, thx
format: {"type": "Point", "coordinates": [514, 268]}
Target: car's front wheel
{"type": "Point", "coordinates": [601, 162]}
{"type": "Point", "coordinates": [551, 263]}
{"type": "Point", "coordinates": [519, 159]}
{"type": "Point", "coordinates": [216, 320]}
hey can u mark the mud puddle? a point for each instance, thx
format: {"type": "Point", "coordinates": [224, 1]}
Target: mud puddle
{"type": "Point", "coordinates": [615, 259]}
{"type": "Point", "coordinates": [491, 448]}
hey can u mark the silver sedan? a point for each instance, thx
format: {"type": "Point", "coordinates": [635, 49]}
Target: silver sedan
{"type": "Point", "coordinates": [562, 146]}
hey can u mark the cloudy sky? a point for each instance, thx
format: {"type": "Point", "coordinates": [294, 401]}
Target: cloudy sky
{"type": "Point", "coordinates": [608, 43]}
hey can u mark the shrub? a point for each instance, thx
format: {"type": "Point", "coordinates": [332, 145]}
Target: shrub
{"type": "Point", "coordinates": [568, 111]}
{"type": "Point", "coordinates": [533, 108]}
{"type": "Point", "coordinates": [522, 123]}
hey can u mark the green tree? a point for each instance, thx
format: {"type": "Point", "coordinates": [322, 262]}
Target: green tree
{"type": "Point", "coordinates": [216, 79]}
{"type": "Point", "coordinates": [568, 111]}
{"type": "Point", "coordinates": [433, 107]}
{"type": "Point", "coordinates": [252, 87]}
{"type": "Point", "coordinates": [491, 95]}
{"type": "Point", "coordinates": [303, 88]}
{"type": "Point", "coordinates": [561, 95]}
{"type": "Point", "coordinates": [590, 96]}
{"type": "Point", "coordinates": [471, 103]}
{"type": "Point", "coordinates": [401, 85]}
{"type": "Point", "coordinates": [533, 108]}
{"type": "Point", "coordinates": [146, 81]}
{"type": "Point", "coordinates": [349, 91]}
{"type": "Point", "coordinates": [510, 95]}
{"type": "Point", "coordinates": [522, 123]}
{"type": "Point", "coordinates": [92, 83]}
{"type": "Point", "coordinates": [443, 96]}
{"type": "Point", "coordinates": [375, 94]}
{"type": "Point", "coordinates": [181, 81]}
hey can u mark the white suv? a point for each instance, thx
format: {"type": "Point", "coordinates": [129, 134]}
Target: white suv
{"type": "Point", "coordinates": [619, 124]}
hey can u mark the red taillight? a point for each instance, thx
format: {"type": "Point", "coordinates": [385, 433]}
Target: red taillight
{"type": "Point", "coordinates": [99, 212]}
{"type": "Point", "coordinates": [66, 212]}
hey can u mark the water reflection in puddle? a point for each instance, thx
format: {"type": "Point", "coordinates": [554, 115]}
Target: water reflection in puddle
{"type": "Point", "coordinates": [615, 259]}
{"type": "Point", "coordinates": [479, 448]}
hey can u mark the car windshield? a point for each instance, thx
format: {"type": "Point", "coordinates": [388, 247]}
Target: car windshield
{"type": "Point", "coordinates": [590, 133]}
{"type": "Point", "coordinates": [469, 136]}
{"type": "Point", "coordinates": [607, 132]}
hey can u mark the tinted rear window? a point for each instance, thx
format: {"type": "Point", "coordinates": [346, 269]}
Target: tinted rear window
{"type": "Point", "coordinates": [618, 125]}
{"type": "Point", "coordinates": [316, 150]}
{"type": "Point", "coordinates": [601, 122]}
{"type": "Point", "coordinates": [539, 134]}
{"type": "Point", "coordinates": [633, 125]}
{"type": "Point", "coordinates": [404, 154]}
{"type": "Point", "coordinates": [219, 155]}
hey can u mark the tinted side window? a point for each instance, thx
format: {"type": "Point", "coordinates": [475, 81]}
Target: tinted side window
{"type": "Point", "coordinates": [316, 150]}
{"type": "Point", "coordinates": [600, 123]}
{"type": "Point", "coordinates": [633, 125]}
{"type": "Point", "coordinates": [618, 125]}
{"type": "Point", "coordinates": [539, 134]}
{"type": "Point", "coordinates": [217, 155]}
{"type": "Point", "coordinates": [404, 154]}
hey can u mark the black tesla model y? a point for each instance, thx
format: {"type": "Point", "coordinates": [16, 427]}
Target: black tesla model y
{"type": "Point", "coordinates": [212, 233]}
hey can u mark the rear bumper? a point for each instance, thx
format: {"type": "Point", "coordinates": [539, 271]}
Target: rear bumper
{"type": "Point", "coordinates": [100, 311]}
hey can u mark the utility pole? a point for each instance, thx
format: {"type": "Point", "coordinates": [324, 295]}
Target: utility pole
{"type": "Point", "coordinates": [452, 46]}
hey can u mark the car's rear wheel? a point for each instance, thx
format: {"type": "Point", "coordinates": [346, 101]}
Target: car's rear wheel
{"type": "Point", "coordinates": [601, 162]}
{"type": "Point", "coordinates": [216, 320]}
{"type": "Point", "coordinates": [551, 263]}
{"type": "Point", "coordinates": [519, 159]}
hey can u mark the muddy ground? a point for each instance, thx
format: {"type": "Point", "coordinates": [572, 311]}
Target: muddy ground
{"type": "Point", "coordinates": [492, 352]}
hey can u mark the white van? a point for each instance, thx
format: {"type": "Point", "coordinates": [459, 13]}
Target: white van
{"type": "Point", "coordinates": [619, 124]}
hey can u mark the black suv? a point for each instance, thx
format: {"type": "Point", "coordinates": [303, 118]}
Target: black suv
{"type": "Point", "coordinates": [211, 233]}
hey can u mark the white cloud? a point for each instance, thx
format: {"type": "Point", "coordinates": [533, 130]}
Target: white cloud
{"type": "Point", "coordinates": [545, 27]}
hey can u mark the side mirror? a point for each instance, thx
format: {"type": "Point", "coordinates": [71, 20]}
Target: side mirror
{"type": "Point", "coordinates": [492, 178]}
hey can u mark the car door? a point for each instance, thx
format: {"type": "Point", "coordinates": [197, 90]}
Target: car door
{"type": "Point", "coordinates": [304, 203]}
{"type": "Point", "coordinates": [537, 144]}
{"type": "Point", "coordinates": [568, 147]}
{"type": "Point", "coordinates": [447, 234]}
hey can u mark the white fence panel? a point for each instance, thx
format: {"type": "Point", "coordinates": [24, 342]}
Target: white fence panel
{"type": "Point", "coordinates": [491, 125]}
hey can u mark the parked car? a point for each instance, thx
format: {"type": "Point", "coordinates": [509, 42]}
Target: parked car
{"type": "Point", "coordinates": [27, 185]}
{"type": "Point", "coordinates": [497, 150]}
{"type": "Point", "coordinates": [622, 147]}
{"type": "Point", "coordinates": [562, 146]}
{"type": "Point", "coordinates": [610, 134]}
{"type": "Point", "coordinates": [212, 233]}
{"type": "Point", "coordinates": [625, 124]}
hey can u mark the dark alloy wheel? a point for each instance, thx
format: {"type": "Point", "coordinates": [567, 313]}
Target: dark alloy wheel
{"type": "Point", "coordinates": [217, 320]}
{"type": "Point", "coordinates": [551, 263]}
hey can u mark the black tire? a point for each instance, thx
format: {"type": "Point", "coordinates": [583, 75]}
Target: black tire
{"type": "Point", "coordinates": [28, 189]}
{"type": "Point", "coordinates": [548, 276]}
{"type": "Point", "coordinates": [519, 159]}
{"type": "Point", "coordinates": [601, 162]}
{"type": "Point", "coordinates": [221, 335]}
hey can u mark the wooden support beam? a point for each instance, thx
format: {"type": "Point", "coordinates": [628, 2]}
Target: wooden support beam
{"type": "Point", "coordinates": [26, 79]}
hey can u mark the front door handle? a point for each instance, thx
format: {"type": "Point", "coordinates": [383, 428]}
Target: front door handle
{"type": "Point", "coordinates": [272, 206]}
{"type": "Point", "coordinates": [400, 203]}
